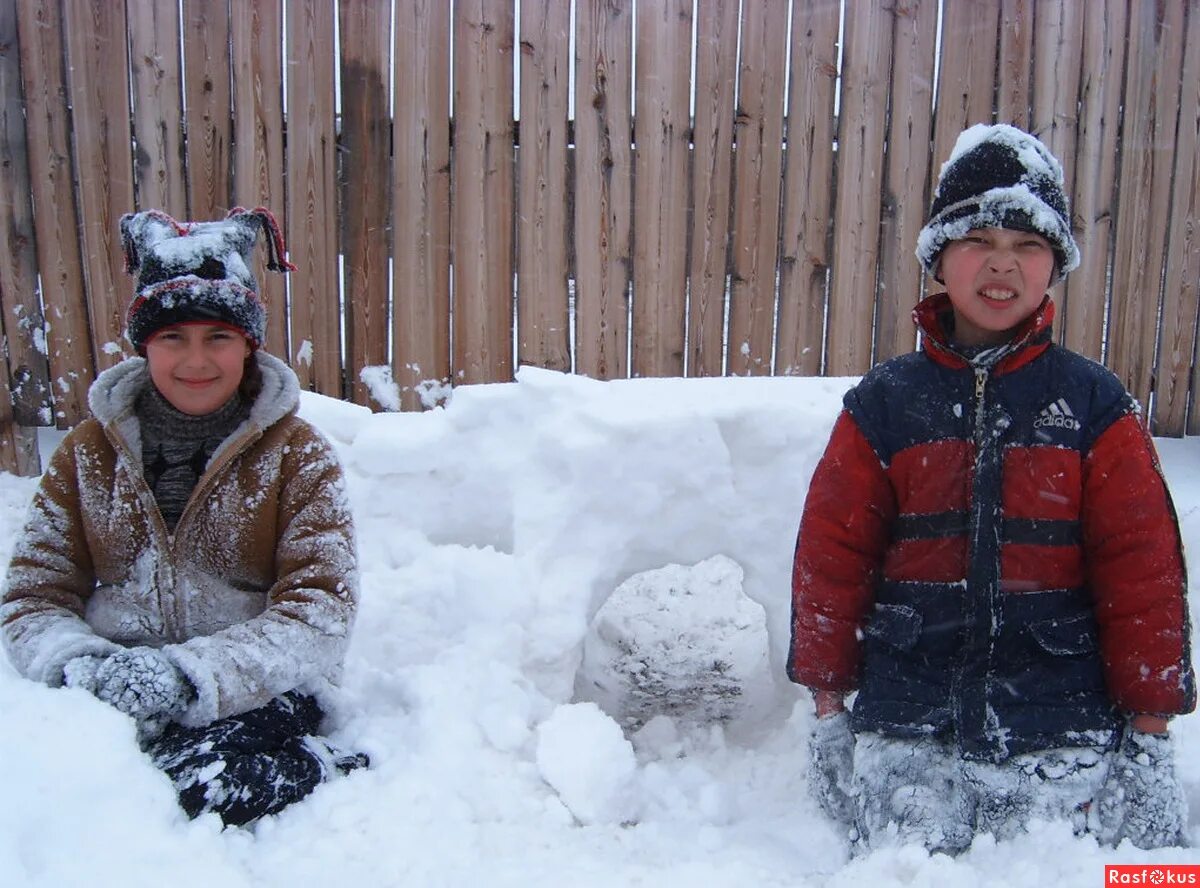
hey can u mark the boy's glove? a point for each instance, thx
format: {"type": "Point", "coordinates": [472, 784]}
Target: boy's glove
{"type": "Point", "coordinates": [1142, 799]}
{"type": "Point", "coordinates": [831, 765]}
{"type": "Point", "coordinates": [144, 684]}
{"type": "Point", "coordinates": [81, 672]}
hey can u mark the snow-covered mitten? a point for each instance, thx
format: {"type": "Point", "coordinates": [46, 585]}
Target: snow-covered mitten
{"type": "Point", "coordinates": [1142, 800]}
{"type": "Point", "coordinates": [144, 684]}
{"type": "Point", "coordinates": [80, 672]}
{"type": "Point", "coordinates": [831, 765]}
{"type": "Point", "coordinates": [333, 759]}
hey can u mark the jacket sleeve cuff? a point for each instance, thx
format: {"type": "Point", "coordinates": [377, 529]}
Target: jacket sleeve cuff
{"type": "Point", "coordinates": [47, 667]}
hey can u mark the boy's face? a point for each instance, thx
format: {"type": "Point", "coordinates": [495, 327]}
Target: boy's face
{"type": "Point", "coordinates": [197, 367]}
{"type": "Point", "coordinates": [996, 278]}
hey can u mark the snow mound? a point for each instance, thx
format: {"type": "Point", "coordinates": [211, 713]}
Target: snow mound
{"type": "Point", "coordinates": [595, 786]}
{"type": "Point", "coordinates": [684, 642]}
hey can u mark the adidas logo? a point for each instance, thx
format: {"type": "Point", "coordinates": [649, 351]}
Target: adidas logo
{"type": "Point", "coordinates": [1057, 416]}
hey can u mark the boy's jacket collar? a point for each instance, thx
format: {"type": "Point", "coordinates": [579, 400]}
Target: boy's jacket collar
{"type": "Point", "coordinates": [1032, 338]}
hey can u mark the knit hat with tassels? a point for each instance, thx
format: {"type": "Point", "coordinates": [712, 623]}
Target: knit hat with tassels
{"type": "Point", "coordinates": [197, 272]}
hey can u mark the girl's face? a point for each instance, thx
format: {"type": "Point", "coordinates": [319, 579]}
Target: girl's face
{"type": "Point", "coordinates": [996, 278]}
{"type": "Point", "coordinates": [197, 367]}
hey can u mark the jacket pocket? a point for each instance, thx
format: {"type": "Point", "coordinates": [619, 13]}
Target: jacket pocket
{"type": "Point", "coordinates": [895, 624]}
{"type": "Point", "coordinates": [1066, 636]}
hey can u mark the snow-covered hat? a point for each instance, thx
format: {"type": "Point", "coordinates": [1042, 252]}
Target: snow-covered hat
{"type": "Point", "coordinates": [197, 271]}
{"type": "Point", "coordinates": [999, 177]}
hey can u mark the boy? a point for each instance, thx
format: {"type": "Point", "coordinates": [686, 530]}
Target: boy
{"type": "Point", "coordinates": [989, 554]}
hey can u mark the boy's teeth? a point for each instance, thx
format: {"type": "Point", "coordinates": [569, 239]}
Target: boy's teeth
{"type": "Point", "coordinates": [999, 294]}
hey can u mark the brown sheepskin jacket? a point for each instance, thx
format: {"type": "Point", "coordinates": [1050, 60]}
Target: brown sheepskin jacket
{"type": "Point", "coordinates": [253, 595]}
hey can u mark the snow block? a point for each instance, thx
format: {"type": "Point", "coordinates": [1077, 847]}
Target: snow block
{"type": "Point", "coordinates": [678, 641]}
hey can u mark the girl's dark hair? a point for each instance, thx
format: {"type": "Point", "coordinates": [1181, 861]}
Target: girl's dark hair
{"type": "Point", "coordinates": [252, 380]}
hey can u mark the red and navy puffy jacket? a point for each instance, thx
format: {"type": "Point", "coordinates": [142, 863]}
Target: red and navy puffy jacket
{"type": "Point", "coordinates": [989, 553]}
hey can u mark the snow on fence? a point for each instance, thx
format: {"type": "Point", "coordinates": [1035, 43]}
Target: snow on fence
{"type": "Point", "coordinates": [760, 219]}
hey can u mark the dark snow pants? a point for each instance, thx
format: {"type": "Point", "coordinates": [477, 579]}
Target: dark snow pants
{"type": "Point", "coordinates": [245, 766]}
{"type": "Point", "coordinates": [922, 791]}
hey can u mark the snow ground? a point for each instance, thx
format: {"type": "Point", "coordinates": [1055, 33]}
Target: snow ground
{"type": "Point", "coordinates": [490, 534]}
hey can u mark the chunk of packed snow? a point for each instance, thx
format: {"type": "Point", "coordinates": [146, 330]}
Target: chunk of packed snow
{"type": "Point", "coordinates": [679, 641]}
{"type": "Point", "coordinates": [595, 785]}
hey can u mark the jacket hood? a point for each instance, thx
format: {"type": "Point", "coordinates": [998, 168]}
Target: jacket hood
{"type": "Point", "coordinates": [112, 395]}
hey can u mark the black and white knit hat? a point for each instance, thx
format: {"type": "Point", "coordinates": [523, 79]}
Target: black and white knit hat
{"type": "Point", "coordinates": [198, 272]}
{"type": "Point", "coordinates": [999, 177]}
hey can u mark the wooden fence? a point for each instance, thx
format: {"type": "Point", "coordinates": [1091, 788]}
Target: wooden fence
{"type": "Point", "coordinates": [760, 218]}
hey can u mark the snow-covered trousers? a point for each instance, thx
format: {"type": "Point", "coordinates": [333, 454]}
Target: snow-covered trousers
{"type": "Point", "coordinates": [245, 766]}
{"type": "Point", "coordinates": [923, 792]}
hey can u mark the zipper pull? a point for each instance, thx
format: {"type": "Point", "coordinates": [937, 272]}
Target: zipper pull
{"type": "Point", "coordinates": [980, 381]}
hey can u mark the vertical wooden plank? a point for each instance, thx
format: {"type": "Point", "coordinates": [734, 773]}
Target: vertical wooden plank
{"type": "Point", "coordinates": [716, 74]}
{"type": "Point", "coordinates": [966, 77]}
{"type": "Point", "coordinates": [664, 35]}
{"type": "Point", "coordinates": [256, 46]}
{"type": "Point", "coordinates": [312, 198]}
{"type": "Point", "coordinates": [482, 203]}
{"type": "Point", "coordinates": [1058, 46]}
{"type": "Point", "coordinates": [603, 185]}
{"type": "Point", "coordinates": [157, 105]}
{"type": "Point", "coordinates": [365, 157]}
{"type": "Point", "coordinates": [865, 74]}
{"type": "Point", "coordinates": [99, 88]}
{"type": "Point", "coordinates": [1058, 43]}
{"type": "Point", "coordinates": [1016, 60]}
{"type": "Point", "coordinates": [757, 175]}
{"type": "Point", "coordinates": [421, 200]}
{"type": "Point", "coordinates": [1181, 282]}
{"type": "Point", "coordinates": [1094, 203]}
{"type": "Point", "coordinates": [56, 220]}
{"type": "Point", "coordinates": [906, 196]}
{"type": "Point", "coordinates": [1147, 144]}
{"type": "Point", "coordinates": [29, 401]}
{"type": "Point", "coordinates": [808, 192]}
{"type": "Point", "coordinates": [208, 95]}
{"type": "Point", "coordinates": [542, 320]}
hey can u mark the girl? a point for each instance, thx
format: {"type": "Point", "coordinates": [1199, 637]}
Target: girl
{"type": "Point", "coordinates": [189, 557]}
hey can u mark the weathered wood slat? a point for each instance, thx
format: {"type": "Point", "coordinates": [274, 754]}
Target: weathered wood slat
{"type": "Point", "coordinates": [99, 90]}
{"type": "Point", "coordinates": [603, 186]}
{"type": "Point", "coordinates": [865, 77]}
{"type": "Point", "coordinates": [542, 319]}
{"type": "Point", "coordinates": [1181, 282]}
{"type": "Point", "coordinates": [312, 198]}
{"type": "Point", "coordinates": [208, 94]}
{"type": "Point", "coordinates": [1151, 109]}
{"type": "Point", "coordinates": [966, 76]}
{"type": "Point", "coordinates": [660, 215]}
{"type": "Point", "coordinates": [421, 200]}
{"type": "Point", "coordinates": [157, 109]}
{"type": "Point", "coordinates": [366, 163]}
{"type": "Point", "coordinates": [29, 401]}
{"type": "Point", "coordinates": [56, 222]}
{"type": "Point", "coordinates": [1018, 29]}
{"type": "Point", "coordinates": [808, 199]}
{"type": "Point", "coordinates": [906, 195]}
{"type": "Point", "coordinates": [1094, 204]}
{"type": "Point", "coordinates": [712, 182]}
{"type": "Point", "coordinates": [758, 167]}
{"type": "Point", "coordinates": [483, 199]}
{"type": "Point", "coordinates": [256, 47]}
{"type": "Point", "coordinates": [1058, 44]}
